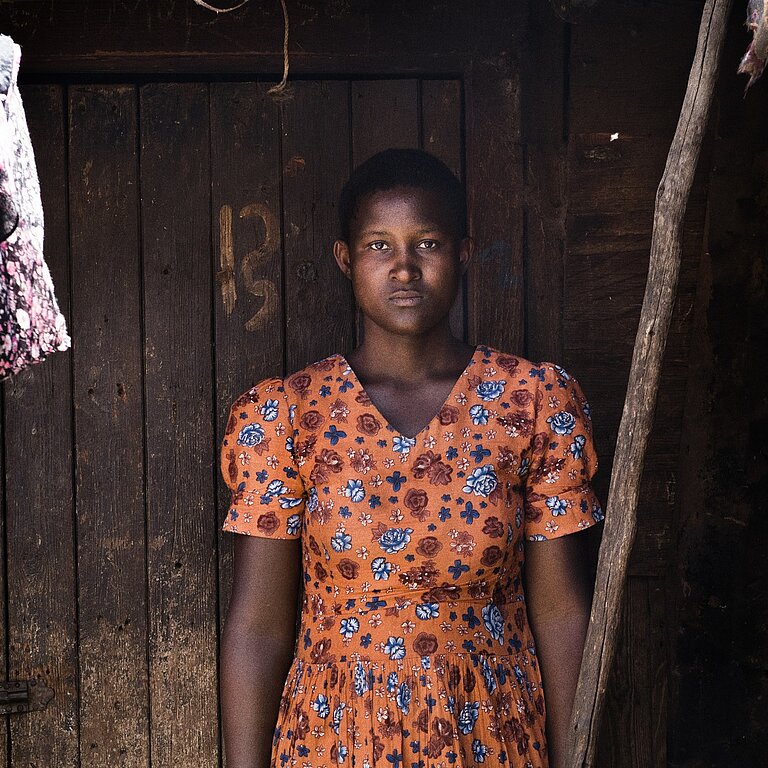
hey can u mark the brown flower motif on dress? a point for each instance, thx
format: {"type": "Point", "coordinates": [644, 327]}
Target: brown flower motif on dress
{"type": "Point", "coordinates": [448, 415]}
{"type": "Point", "coordinates": [312, 420]}
{"type": "Point", "coordinates": [416, 500]}
{"type": "Point", "coordinates": [368, 424]}
{"type": "Point", "coordinates": [300, 383]}
{"type": "Point", "coordinates": [268, 523]}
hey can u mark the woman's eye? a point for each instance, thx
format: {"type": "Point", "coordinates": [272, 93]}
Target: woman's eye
{"type": "Point", "coordinates": [379, 245]}
{"type": "Point", "coordinates": [428, 244]}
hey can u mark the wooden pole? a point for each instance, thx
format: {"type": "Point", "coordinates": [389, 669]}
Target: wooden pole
{"type": "Point", "coordinates": [655, 315]}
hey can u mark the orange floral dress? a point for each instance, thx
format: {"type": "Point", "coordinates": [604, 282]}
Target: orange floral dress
{"type": "Point", "coordinates": [414, 648]}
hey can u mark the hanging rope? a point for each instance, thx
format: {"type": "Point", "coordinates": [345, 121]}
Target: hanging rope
{"type": "Point", "coordinates": [221, 10]}
{"type": "Point", "coordinates": [281, 88]}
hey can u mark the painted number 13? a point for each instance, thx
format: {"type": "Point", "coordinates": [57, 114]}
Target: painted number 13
{"type": "Point", "coordinates": [264, 289]}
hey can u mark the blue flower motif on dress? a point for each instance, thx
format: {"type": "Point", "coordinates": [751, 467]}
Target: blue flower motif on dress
{"type": "Point", "coordinates": [494, 622]}
{"type": "Point", "coordinates": [348, 627]}
{"type": "Point", "coordinates": [403, 698]}
{"type": "Point", "coordinates": [587, 410]}
{"type": "Point", "coordinates": [479, 751]}
{"type": "Point", "coordinates": [397, 480]}
{"type": "Point", "coordinates": [337, 714]}
{"type": "Point", "coordinates": [482, 481]}
{"type": "Point", "coordinates": [403, 444]}
{"type": "Point", "coordinates": [354, 490]}
{"type": "Point", "coordinates": [321, 706]}
{"type": "Point", "coordinates": [269, 410]}
{"type": "Point", "coordinates": [427, 611]}
{"type": "Point", "coordinates": [293, 525]}
{"type": "Point", "coordinates": [360, 679]}
{"type": "Point", "coordinates": [381, 569]}
{"type": "Point", "coordinates": [563, 374]}
{"type": "Point", "coordinates": [490, 390]}
{"type": "Point", "coordinates": [479, 415]}
{"type": "Point", "coordinates": [392, 682]}
{"type": "Point", "coordinates": [395, 539]}
{"type": "Point", "coordinates": [395, 648]}
{"type": "Point", "coordinates": [341, 541]}
{"type": "Point", "coordinates": [275, 487]}
{"type": "Point", "coordinates": [468, 716]}
{"type": "Point", "coordinates": [576, 448]}
{"type": "Point", "coordinates": [250, 435]}
{"type": "Point", "coordinates": [557, 506]}
{"type": "Point", "coordinates": [597, 514]}
{"type": "Point", "coordinates": [342, 751]}
{"type": "Point", "coordinates": [562, 423]}
{"type": "Point", "coordinates": [488, 676]}
{"type": "Point", "coordinates": [288, 502]}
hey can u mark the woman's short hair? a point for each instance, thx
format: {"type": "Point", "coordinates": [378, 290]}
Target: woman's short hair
{"type": "Point", "coordinates": [403, 168]}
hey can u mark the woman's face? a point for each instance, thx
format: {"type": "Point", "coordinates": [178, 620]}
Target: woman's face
{"type": "Point", "coordinates": [404, 260]}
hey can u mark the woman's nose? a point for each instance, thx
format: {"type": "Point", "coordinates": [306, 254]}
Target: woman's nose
{"type": "Point", "coordinates": [406, 265]}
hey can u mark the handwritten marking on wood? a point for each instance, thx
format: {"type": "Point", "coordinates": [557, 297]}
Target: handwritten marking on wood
{"type": "Point", "coordinates": [226, 275]}
{"type": "Point", "coordinates": [256, 286]}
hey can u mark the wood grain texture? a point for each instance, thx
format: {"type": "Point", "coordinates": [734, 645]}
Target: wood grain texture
{"type": "Point", "coordinates": [249, 336]}
{"type": "Point", "coordinates": [109, 420]}
{"type": "Point", "coordinates": [319, 305]}
{"type": "Point", "coordinates": [636, 731]}
{"type": "Point", "coordinates": [180, 488]}
{"type": "Point", "coordinates": [441, 135]}
{"type": "Point", "coordinates": [494, 195]}
{"type": "Point", "coordinates": [180, 36]}
{"type": "Point", "coordinates": [616, 153]}
{"type": "Point", "coordinates": [546, 197]}
{"type": "Point", "coordinates": [42, 589]}
{"type": "Point", "coordinates": [385, 113]}
{"type": "Point", "coordinates": [655, 319]}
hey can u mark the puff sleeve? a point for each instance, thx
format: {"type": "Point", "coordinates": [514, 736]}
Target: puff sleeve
{"type": "Point", "coordinates": [258, 465]}
{"type": "Point", "coordinates": [558, 496]}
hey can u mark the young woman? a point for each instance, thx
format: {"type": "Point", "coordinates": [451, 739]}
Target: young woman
{"type": "Point", "coordinates": [418, 491]}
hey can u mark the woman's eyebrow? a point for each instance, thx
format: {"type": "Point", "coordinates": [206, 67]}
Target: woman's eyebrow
{"type": "Point", "coordinates": [381, 233]}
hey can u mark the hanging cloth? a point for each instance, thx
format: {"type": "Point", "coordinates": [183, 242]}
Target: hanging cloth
{"type": "Point", "coordinates": [31, 325]}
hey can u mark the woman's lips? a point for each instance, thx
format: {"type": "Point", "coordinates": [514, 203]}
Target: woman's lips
{"type": "Point", "coordinates": [406, 298]}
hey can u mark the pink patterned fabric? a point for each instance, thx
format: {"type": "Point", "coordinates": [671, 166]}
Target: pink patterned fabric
{"type": "Point", "coordinates": [31, 325]}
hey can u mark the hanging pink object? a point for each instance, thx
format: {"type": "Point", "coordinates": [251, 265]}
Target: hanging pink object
{"type": "Point", "coordinates": [754, 60]}
{"type": "Point", "coordinates": [31, 325]}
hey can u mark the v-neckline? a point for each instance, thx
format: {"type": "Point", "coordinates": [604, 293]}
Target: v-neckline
{"type": "Point", "coordinates": [380, 415]}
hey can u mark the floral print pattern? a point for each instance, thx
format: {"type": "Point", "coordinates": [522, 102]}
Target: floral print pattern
{"type": "Point", "coordinates": [414, 648]}
{"type": "Point", "coordinates": [31, 325]}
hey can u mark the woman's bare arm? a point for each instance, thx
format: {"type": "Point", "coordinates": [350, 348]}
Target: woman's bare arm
{"type": "Point", "coordinates": [558, 597]}
{"type": "Point", "coordinates": [257, 646]}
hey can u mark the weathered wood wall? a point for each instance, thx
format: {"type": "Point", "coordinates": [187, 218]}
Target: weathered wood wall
{"type": "Point", "coordinates": [189, 219]}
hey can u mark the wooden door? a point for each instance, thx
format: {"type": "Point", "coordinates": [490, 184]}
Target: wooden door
{"type": "Point", "coordinates": [189, 230]}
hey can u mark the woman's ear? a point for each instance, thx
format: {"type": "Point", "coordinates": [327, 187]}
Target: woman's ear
{"type": "Point", "coordinates": [341, 254]}
{"type": "Point", "coordinates": [466, 252]}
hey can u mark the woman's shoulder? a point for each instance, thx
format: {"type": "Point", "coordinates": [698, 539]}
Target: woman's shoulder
{"type": "Point", "coordinates": [299, 382]}
{"type": "Point", "coordinates": [520, 367]}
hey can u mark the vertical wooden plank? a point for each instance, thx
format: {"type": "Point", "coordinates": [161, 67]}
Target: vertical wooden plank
{"type": "Point", "coordinates": [635, 735]}
{"type": "Point", "coordinates": [441, 121]}
{"type": "Point", "coordinates": [181, 556]}
{"type": "Point", "coordinates": [42, 590]}
{"type": "Point", "coordinates": [245, 177]}
{"type": "Point", "coordinates": [385, 113]}
{"type": "Point", "coordinates": [319, 306]}
{"type": "Point", "coordinates": [107, 391]}
{"type": "Point", "coordinates": [494, 183]}
{"type": "Point", "coordinates": [546, 200]}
